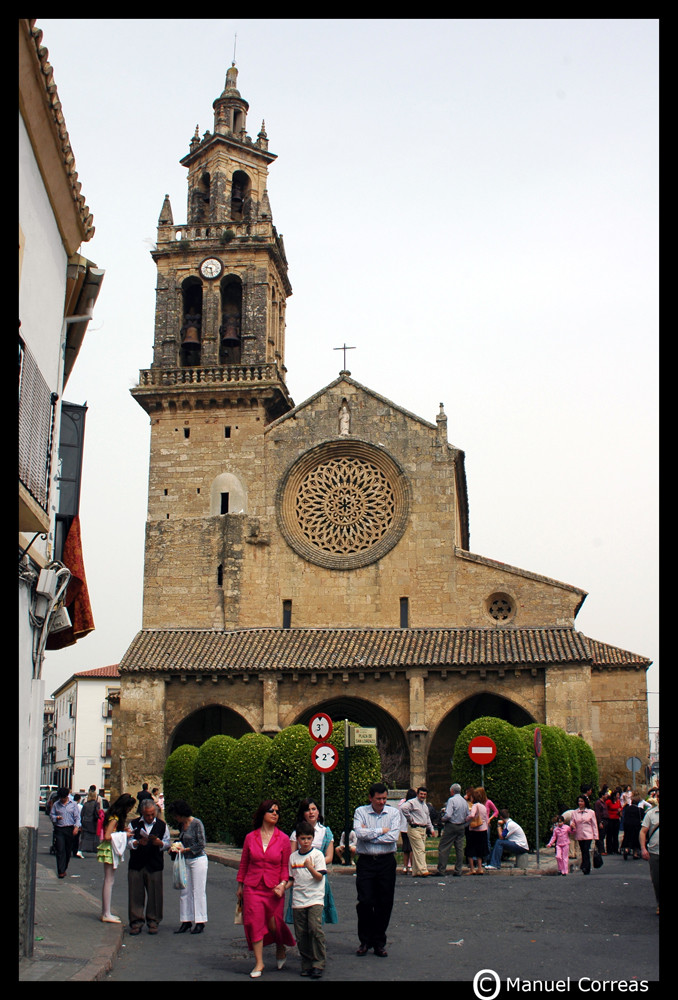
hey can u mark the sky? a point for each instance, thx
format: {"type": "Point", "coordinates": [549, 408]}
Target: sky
{"type": "Point", "coordinates": [472, 204]}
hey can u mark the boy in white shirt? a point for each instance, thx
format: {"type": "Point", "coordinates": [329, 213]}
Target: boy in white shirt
{"type": "Point", "coordinates": [308, 869]}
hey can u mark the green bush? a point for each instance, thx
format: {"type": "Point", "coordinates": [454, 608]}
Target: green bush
{"type": "Point", "coordinates": [288, 772]}
{"type": "Point", "coordinates": [177, 779]}
{"type": "Point", "coordinates": [588, 767]}
{"type": "Point", "coordinates": [554, 742]}
{"type": "Point", "coordinates": [210, 786]}
{"type": "Point", "coordinates": [364, 766]}
{"type": "Point", "coordinates": [546, 802]}
{"type": "Point", "coordinates": [243, 773]}
{"type": "Point", "coordinates": [507, 777]}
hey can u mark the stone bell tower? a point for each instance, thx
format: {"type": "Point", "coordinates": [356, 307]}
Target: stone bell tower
{"type": "Point", "coordinates": [218, 371]}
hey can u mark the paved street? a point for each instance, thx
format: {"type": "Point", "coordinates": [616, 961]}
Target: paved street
{"type": "Point", "coordinates": [525, 925]}
{"type": "Point", "coordinates": [602, 926]}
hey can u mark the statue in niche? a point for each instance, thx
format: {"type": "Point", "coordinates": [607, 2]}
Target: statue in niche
{"type": "Point", "coordinates": [344, 418]}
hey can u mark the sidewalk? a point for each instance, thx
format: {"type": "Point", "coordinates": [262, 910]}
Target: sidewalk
{"type": "Point", "coordinates": [72, 945]}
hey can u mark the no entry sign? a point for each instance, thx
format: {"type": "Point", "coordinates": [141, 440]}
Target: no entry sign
{"type": "Point", "coordinates": [324, 757]}
{"type": "Point", "coordinates": [482, 750]}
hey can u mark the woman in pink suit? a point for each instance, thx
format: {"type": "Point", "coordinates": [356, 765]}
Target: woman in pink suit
{"type": "Point", "coordinates": [584, 825]}
{"type": "Point", "coordinates": [561, 840]}
{"type": "Point", "coordinates": [261, 878]}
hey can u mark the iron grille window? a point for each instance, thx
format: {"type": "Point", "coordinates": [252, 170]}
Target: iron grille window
{"type": "Point", "coordinates": [36, 427]}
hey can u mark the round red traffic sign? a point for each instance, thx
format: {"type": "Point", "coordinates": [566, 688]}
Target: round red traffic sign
{"type": "Point", "coordinates": [482, 750]}
{"type": "Point", "coordinates": [320, 727]}
{"type": "Point", "coordinates": [537, 741]}
{"type": "Point", "coordinates": [325, 757]}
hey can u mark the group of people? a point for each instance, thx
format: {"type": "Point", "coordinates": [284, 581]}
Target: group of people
{"type": "Point", "coordinates": [148, 838]}
{"type": "Point", "coordinates": [273, 862]}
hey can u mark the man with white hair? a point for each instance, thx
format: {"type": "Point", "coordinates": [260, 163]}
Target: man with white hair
{"type": "Point", "coordinates": [455, 821]}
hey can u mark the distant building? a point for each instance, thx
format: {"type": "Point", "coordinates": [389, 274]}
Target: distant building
{"type": "Point", "coordinates": [48, 744]}
{"type": "Point", "coordinates": [57, 291]}
{"type": "Point", "coordinates": [82, 726]}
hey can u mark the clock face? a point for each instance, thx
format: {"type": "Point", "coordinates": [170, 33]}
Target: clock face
{"type": "Point", "coordinates": [211, 268]}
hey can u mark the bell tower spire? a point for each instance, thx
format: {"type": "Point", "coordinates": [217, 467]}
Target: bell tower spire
{"type": "Point", "coordinates": [222, 276]}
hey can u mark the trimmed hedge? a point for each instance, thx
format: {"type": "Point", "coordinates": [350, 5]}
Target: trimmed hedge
{"type": "Point", "coordinates": [565, 763]}
{"type": "Point", "coordinates": [364, 768]}
{"type": "Point", "coordinates": [288, 772]}
{"type": "Point", "coordinates": [546, 806]}
{"type": "Point", "coordinates": [507, 776]}
{"type": "Point", "coordinates": [177, 779]}
{"type": "Point", "coordinates": [243, 772]}
{"type": "Point", "coordinates": [210, 786]}
{"type": "Point", "coordinates": [588, 767]}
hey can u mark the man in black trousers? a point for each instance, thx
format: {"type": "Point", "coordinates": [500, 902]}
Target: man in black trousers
{"type": "Point", "coordinates": [146, 862]}
{"type": "Point", "coordinates": [377, 828]}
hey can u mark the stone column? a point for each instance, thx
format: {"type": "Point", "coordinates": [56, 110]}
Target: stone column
{"type": "Point", "coordinates": [269, 693]}
{"type": "Point", "coordinates": [417, 730]}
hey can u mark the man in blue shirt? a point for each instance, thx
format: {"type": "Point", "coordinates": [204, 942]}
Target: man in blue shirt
{"type": "Point", "coordinates": [65, 816]}
{"type": "Point", "coordinates": [377, 828]}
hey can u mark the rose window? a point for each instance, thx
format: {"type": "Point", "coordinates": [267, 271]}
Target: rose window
{"type": "Point", "coordinates": [343, 505]}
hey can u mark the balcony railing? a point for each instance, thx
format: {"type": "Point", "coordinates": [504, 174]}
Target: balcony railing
{"type": "Point", "coordinates": [221, 374]}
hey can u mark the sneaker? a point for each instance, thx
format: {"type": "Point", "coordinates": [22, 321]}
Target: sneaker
{"type": "Point", "coordinates": [491, 868]}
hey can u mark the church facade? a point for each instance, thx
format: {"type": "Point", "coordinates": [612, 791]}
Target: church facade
{"type": "Point", "coordinates": [315, 557]}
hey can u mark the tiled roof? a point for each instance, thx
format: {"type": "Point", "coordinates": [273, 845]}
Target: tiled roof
{"type": "Point", "coordinates": [60, 126]}
{"type": "Point", "coordinates": [111, 671]}
{"type": "Point", "coordinates": [308, 649]}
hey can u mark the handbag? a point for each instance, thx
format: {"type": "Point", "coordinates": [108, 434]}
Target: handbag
{"type": "Point", "coordinates": [597, 859]}
{"type": "Point", "coordinates": [179, 872]}
{"type": "Point", "coordinates": [238, 913]}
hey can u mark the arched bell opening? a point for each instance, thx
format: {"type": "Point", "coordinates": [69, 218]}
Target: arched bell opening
{"type": "Point", "coordinates": [439, 772]}
{"type": "Point", "coordinates": [191, 292]}
{"type": "Point", "coordinates": [200, 199]}
{"type": "Point", "coordinates": [240, 193]}
{"type": "Point", "coordinates": [230, 328]}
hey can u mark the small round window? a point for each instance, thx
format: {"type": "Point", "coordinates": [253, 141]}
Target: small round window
{"type": "Point", "coordinates": [501, 608]}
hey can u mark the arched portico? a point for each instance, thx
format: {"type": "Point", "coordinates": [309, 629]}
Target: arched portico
{"type": "Point", "coordinates": [391, 739]}
{"type": "Point", "coordinates": [441, 750]}
{"type": "Point", "coordinates": [211, 720]}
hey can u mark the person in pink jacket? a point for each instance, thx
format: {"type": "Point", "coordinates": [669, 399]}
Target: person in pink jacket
{"type": "Point", "coordinates": [584, 825]}
{"type": "Point", "coordinates": [561, 840]}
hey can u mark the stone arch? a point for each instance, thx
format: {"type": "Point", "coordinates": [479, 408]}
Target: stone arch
{"type": "Point", "coordinates": [210, 720]}
{"type": "Point", "coordinates": [228, 491]}
{"type": "Point", "coordinates": [392, 740]}
{"type": "Point", "coordinates": [441, 749]}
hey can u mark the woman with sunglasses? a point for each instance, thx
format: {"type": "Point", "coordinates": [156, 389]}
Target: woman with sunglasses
{"type": "Point", "coordinates": [261, 878]}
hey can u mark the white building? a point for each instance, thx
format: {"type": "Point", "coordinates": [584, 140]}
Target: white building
{"type": "Point", "coordinates": [82, 725]}
{"type": "Point", "coordinates": [57, 292]}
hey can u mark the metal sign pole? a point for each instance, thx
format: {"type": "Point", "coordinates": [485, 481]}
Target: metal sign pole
{"type": "Point", "coordinates": [536, 805]}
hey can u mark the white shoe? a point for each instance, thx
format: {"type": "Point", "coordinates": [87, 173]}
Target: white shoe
{"type": "Point", "coordinates": [491, 868]}
{"type": "Point", "coordinates": [111, 920]}
{"type": "Point", "coordinates": [256, 973]}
